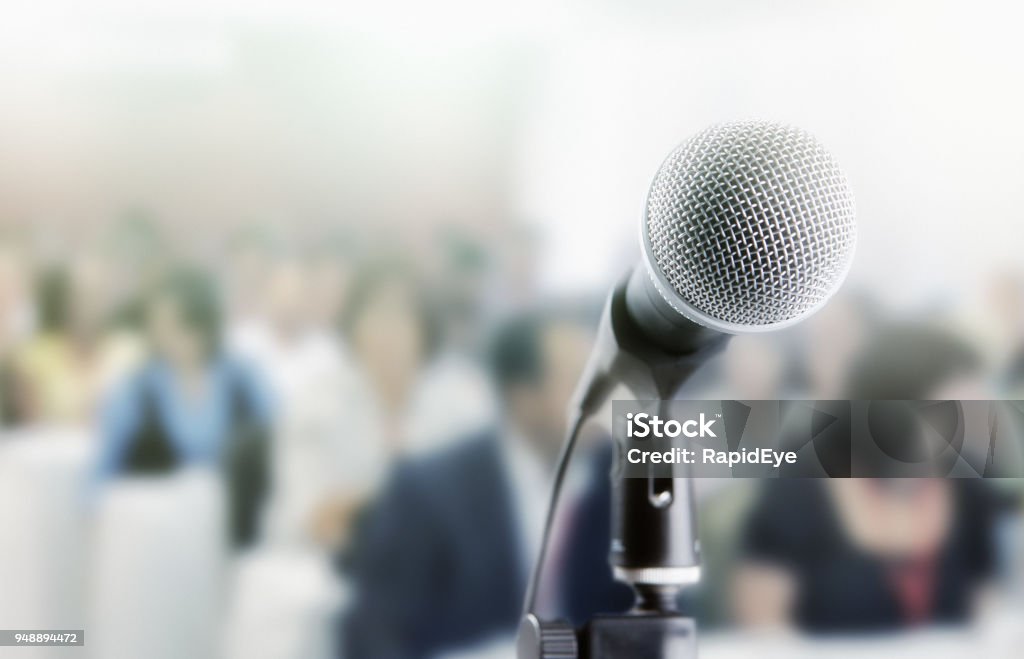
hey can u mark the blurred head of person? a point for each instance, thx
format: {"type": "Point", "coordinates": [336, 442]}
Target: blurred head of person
{"type": "Point", "coordinates": [461, 285]}
{"type": "Point", "coordinates": [14, 296]}
{"type": "Point", "coordinates": [388, 325]}
{"type": "Point", "coordinates": [1004, 305]}
{"type": "Point", "coordinates": [91, 295]}
{"type": "Point", "coordinates": [53, 301]}
{"type": "Point", "coordinates": [905, 517]}
{"type": "Point", "coordinates": [183, 319]}
{"type": "Point", "coordinates": [754, 367]}
{"type": "Point", "coordinates": [331, 267]}
{"type": "Point", "coordinates": [536, 359]}
{"type": "Point", "coordinates": [1005, 295]}
{"type": "Point", "coordinates": [249, 255]}
{"type": "Point", "coordinates": [832, 337]}
{"type": "Point", "coordinates": [913, 361]}
{"type": "Point", "coordinates": [517, 256]}
{"type": "Point", "coordinates": [286, 293]}
{"type": "Point", "coordinates": [138, 248]}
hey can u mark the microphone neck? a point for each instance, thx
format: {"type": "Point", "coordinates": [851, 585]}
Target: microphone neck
{"type": "Point", "coordinates": [659, 324]}
{"type": "Point", "coordinates": [644, 345]}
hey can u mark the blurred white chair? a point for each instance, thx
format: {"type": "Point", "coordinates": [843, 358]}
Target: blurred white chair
{"type": "Point", "coordinates": [159, 560]}
{"type": "Point", "coordinates": [42, 532]}
{"type": "Point", "coordinates": [284, 606]}
{"type": "Point", "coordinates": [498, 648]}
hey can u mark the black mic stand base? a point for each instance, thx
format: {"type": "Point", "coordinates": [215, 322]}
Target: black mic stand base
{"type": "Point", "coordinates": [654, 629]}
{"type": "Point", "coordinates": [636, 635]}
{"type": "Point", "coordinates": [640, 636]}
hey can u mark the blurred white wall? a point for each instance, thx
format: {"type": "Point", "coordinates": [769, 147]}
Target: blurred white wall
{"type": "Point", "coordinates": [917, 100]}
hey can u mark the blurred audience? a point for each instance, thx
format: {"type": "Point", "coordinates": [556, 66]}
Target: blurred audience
{"type": "Point", "coordinates": [329, 360]}
{"type": "Point", "coordinates": [476, 512]}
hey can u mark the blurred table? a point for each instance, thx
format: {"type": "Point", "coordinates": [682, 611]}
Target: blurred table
{"type": "Point", "coordinates": [992, 642]}
{"type": "Point", "coordinates": [998, 639]}
{"type": "Point", "coordinates": [157, 574]}
{"type": "Point", "coordinates": [43, 536]}
{"type": "Point", "coordinates": [284, 605]}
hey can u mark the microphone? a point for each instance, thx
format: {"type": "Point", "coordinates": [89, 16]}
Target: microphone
{"type": "Point", "coordinates": [747, 227]}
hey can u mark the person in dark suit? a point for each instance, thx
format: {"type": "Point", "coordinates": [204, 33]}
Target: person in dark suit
{"type": "Point", "coordinates": [442, 560]}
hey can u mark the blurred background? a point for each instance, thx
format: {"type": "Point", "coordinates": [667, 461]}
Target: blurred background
{"type": "Point", "coordinates": [292, 296]}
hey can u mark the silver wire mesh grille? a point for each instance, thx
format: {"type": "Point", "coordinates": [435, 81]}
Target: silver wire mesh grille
{"type": "Point", "coordinates": [751, 223]}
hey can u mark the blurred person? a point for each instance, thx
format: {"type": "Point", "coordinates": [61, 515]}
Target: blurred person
{"type": "Point", "coordinates": [443, 557]}
{"type": "Point", "coordinates": [389, 331]}
{"type": "Point", "coordinates": [1005, 296]}
{"type": "Point", "coordinates": [993, 315]}
{"type": "Point", "coordinates": [138, 253]}
{"type": "Point", "coordinates": [859, 554]}
{"type": "Point", "coordinates": [75, 356]}
{"type": "Point", "coordinates": [15, 324]}
{"type": "Point", "coordinates": [16, 313]}
{"type": "Point", "coordinates": [512, 281]}
{"type": "Point", "coordinates": [456, 371]}
{"type": "Point", "coordinates": [460, 285]}
{"type": "Point", "coordinates": [10, 399]}
{"type": "Point", "coordinates": [331, 263]}
{"type": "Point", "coordinates": [753, 368]}
{"type": "Point", "coordinates": [405, 395]}
{"type": "Point", "coordinates": [190, 404]}
{"type": "Point", "coordinates": [309, 375]}
{"type": "Point", "coordinates": [285, 593]}
{"type": "Point", "coordinates": [1006, 301]}
{"type": "Point", "coordinates": [248, 258]}
{"type": "Point", "coordinates": [283, 320]}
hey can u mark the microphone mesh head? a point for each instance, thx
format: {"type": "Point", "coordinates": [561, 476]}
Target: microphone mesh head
{"type": "Point", "coordinates": [750, 225]}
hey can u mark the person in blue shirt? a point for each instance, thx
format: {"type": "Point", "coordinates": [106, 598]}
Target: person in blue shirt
{"type": "Point", "coordinates": [191, 404]}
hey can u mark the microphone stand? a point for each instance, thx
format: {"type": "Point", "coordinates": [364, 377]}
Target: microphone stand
{"type": "Point", "coordinates": [654, 546]}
